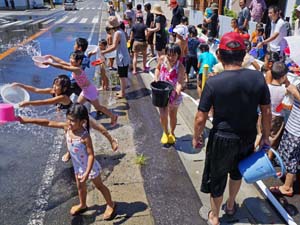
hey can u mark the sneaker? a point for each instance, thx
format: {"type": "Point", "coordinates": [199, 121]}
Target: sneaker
{"type": "Point", "coordinates": [171, 139]}
{"type": "Point", "coordinates": [164, 138]}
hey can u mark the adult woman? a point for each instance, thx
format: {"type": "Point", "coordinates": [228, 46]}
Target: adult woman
{"type": "Point", "coordinates": [122, 58]}
{"type": "Point", "coordinates": [170, 69]}
{"type": "Point", "coordinates": [160, 33]}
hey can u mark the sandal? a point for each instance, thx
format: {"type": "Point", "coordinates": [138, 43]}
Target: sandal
{"type": "Point", "coordinates": [75, 210]}
{"type": "Point", "coordinates": [276, 191]}
{"type": "Point", "coordinates": [110, 212]}
{"type": "Point", "coordinates": [230, 212]}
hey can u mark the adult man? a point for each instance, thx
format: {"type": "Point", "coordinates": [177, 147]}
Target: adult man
{"type": "Point", "coordinates": [276, 41]}
{"type": "Point", "coordinates": [177, 13]}
{"type": "Point", "coordinates": [212, 22]}
{"type": "Point", "coordinates": [257, 8]}
{"type": "Point", "coordinates": [244, 16]}
{"type": "Point", "coordinates": [234, 124]}
{"type": "Point", "coordinates": [297, 22]}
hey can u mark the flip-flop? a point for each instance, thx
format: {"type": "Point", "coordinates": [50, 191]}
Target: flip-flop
{"type": "Point", "coordinates": [276, 191]}
{"type": "Point", "coordinates": [112, 214]}
{"type": "Point", "coordinates": [230, 212]}
{"type": "Point", "coordinates": [79, 211]}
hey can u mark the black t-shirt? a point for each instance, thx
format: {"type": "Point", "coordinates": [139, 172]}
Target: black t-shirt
{"type": "Point", "coordinates": [177, 13]}
{"type": "Point", "coordinates": [149, 19]}
{"type": "Point", "coordinates": [235, 96]}
{"type": "Point", "coordinates": [138, 30]}
{"type": "Point", "coordinates": [161, 34]}
{"type": "Point", "coordinates": [213, 25]}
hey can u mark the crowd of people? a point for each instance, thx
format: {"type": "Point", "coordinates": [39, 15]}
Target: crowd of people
{"type": "Point", "coordinates": [244, 104]}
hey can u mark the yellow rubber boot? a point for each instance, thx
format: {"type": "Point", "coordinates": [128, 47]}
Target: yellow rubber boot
{"type": "Point", "coordinates": [171, 139]}
{"type": "Point", "coordinates": [164, 138]}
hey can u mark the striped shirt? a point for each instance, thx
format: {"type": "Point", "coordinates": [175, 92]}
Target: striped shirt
{"type": "Point", "coordinates": [293, 123]}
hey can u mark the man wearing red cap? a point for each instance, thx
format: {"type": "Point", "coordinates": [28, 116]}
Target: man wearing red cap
{"type": "Point", "coordinates": [235, 94]}
{"type": "Point", "coordinates": [177, 13]}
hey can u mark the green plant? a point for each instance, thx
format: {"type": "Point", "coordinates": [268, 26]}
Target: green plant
{"type": "Point", "coordinates": [141, 159]}
{"type": "Point", "coordinates": [230, 13]}
{"type": "Point", "coordinates": [294, 17]}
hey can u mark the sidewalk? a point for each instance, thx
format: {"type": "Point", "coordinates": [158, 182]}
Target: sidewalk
{"type": "Point", "coordinates": [127, 180]}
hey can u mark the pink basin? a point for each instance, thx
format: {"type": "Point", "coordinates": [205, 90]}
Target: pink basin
{"type": "Point", "coordinates": [7, 113]}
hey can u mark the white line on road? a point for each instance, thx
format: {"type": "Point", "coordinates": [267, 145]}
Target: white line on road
{"type": "Point", "coordinates": [83, 20]}
{"type": "Point", "coordinates": [93, 8]}
{"type": "Point", "coordinates": [72, 20]}
{"type": "Point", "coordinates": [61, 20]}
{"type": "Point", "coordinates": [41, 203]}
{"type": "Point", "coordinates": [95, 19]}
{"type": "Point", "coordinates": [87, 8]}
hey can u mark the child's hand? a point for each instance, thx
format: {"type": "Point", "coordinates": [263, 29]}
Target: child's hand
{"type": "Point", "coordinates": [21, 119]}
{"type": "Point", "coordinates": [83, 178]}
{"type": "Point", "coordinates": [15, 84]}
{"type": "Point", "coordinates": [23, 104]}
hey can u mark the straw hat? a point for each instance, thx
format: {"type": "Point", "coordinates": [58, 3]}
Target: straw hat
{"type": "Point", "coordinates": [112, 22]}
{"type": "Point", "coordinates": [157, 10]}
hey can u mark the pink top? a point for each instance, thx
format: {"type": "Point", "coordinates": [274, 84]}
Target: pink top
{"type": "Point", "coordinates": [81, 80]}
{"type": "Point", "coordinates": [171, 76]}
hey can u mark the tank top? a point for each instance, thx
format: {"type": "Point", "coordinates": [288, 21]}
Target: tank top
{"type": "Point", "coordinates": [293, 123]}
{"type": "Point", "coordinates": [81, 80]}
{"type": "Point", "coordinates": [277, 93]}
{"type": "Point", "coordinates": [123, 57]}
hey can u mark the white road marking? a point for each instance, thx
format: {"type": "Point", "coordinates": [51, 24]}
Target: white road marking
{"type": "Point", "coordinates": [95, 19]}
{"type": "Point", "coordinates": [83, 20]}
{"type": "Point", "coordinates": [61, 20]}
{"type": "Point", "coordinates": [72, 20]}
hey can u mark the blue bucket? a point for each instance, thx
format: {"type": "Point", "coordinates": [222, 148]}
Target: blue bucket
{"type": "Point", "coordinates": [258, 166]}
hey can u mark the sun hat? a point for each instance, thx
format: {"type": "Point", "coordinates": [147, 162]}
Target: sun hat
{"type": "Point", "coordinates": [157, 9]}
{"type": "Point", "coordinates": [298, 8]}
{"type": "Point", "coordinates": [112, 22]}
{"type": "Point", "coordinates": [181, 30]}
{"type": "Point", "coordinates": [232, 41]}
{"type": "Point", "coordinates": [214, 6]}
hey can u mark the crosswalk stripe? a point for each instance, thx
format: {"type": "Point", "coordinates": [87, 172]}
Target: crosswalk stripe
{"type": "Point", "coordinates": [95, 20]}
{"type": "Point", "coordinates": [99, 8]}
{"type": "Point", "coordinates": [72, 20]}
{"type": "Point", "coordinates": [93, 8]}
{"type": "Point", "coordinates": [88, 8]}
{"type": "Point", "coordinates": [83, 20]}
{"type": "Point", "coordinates": [48, 21]}
{"type": "Point", "coordinates": [81, 8]}
{"type": "Point", "coordinates": [61, 20]}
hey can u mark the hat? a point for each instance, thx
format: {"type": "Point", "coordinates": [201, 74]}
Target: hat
{"type": "Point", "coordinates": [298, 8]}
{"type": "Point", "coordinates": [112, 22]}
{"type": "Point", "coordinates": [173, 3]}
{"type": "Point", "coordinates": [232, 41]}
{"type": "Point", "coordinates": [157, 9]}
{"type": "Point", "coordinates": [214, 6]}
{"type": "Point", "coordinates": [181, 30]}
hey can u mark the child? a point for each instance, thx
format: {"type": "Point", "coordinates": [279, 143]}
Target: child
{"type": "Point", "coordinates": [104, 79]}
{"type": "Point", "coordinates": [270, 58]}
{"type": "Point", "coordinates": [80, 146]}
{"type": "Point", "coordinates": [255, 34]}
{"type": "Point", "coordinates": [111, 9]}
{"type": "Point", "coordinates": [109, 39]}
{"type": "Point", "coordinates": [139, 12]}
{"type": "Point", "coordinates": [234, 26]}
{"type": "Point", "coordinates": [249, 60]}
{"type": "Point", "coordinates": [204, 58]}
{"type": "Point", "coordinates": [260, 38]}
{"type": "Point", "coordinates": [89, 91]}
{"type": "Point", "coordinates": [218, 68]}
{"type": "Point", "coordinates": [191, 58]}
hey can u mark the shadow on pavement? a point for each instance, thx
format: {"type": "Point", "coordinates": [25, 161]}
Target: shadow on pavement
{"type": "Point", "coordinates": [140, 93]}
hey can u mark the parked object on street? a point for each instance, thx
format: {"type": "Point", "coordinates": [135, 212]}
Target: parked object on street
{"type": "Point", "coordinates": [14, 95]}
{"type": "Point", "coordinates": [7, 113]}
{"type": "Point", "coordinates": [39, 60]}
{"type": "Point", "coordinates": [70, 5]}
{"type": "Point", "coordinates": [258, 166]}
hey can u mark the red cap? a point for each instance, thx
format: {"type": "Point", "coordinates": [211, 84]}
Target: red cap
{"type": "Point", "coordinates": [232, 41]}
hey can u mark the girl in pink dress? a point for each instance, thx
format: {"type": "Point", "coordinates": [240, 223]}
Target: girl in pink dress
{"type": "Point", "coordinates": [170, 69]}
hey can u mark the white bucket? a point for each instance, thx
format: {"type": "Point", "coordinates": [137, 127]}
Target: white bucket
{"type": "Point", "coordinates": [14, 95]}
{"type": "Point", "coordinates": [39, 60]}
{"type": "Point", "coordinates": [91, 48]}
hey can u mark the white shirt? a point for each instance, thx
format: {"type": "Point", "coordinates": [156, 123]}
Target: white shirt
{"type": "Point", "coordinates": [279, 43]}
{"type": "Point", "coordinates": [297, 28]}
{"type": "Point", "coordinates": [277, 94]}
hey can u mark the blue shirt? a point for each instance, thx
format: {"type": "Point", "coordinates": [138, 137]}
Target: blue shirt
{"type": "Point", "coordinates": [193, 44]}
{"type": "Point", "coordinates": [207, 58]}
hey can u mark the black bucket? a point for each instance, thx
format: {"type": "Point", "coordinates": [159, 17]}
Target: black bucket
{"type": "Point", "coordinates": [161, 91]}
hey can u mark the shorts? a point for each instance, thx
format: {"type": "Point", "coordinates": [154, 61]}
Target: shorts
{"type": "Point", "coordinates": [139, 46]}
{"type": "Point", "coordinates": [90, 92]}
{"type": "Point", "coordinates": [191, 61]}
{"type": "Point", "coordinates": [200, 78]}
{"type": "Point", "coordinates": [123, 71]}
{"type": "Point", "coordinates": [160, 44]}
{"type": "Point", "coordinates": [224, 151]}
{"type": "Point", "coordinates": [150, 39]}
{"type": "Point", "coordinates": [289, 151]}
{"type": "Point", "coordinates": [74, 88]}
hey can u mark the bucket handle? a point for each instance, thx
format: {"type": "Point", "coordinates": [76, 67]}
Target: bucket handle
{"type": "Point", "coordinates": [280, 161]}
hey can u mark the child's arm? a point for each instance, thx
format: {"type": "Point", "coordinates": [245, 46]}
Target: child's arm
{"type": "Point", "coordinates": [58, 60]}
{"type": "Point", "coordinates": [68, 67]}
{"type": "Point", "coordinates": [180, 82]}
{"type": "Point", "coordinates": [33, 89]}
{"type": "Point", "coordinates": [90, 151]}
{"type": "Point", "coordinates": [116, 41]}
{"type": "Point", "coordinates": [255, 65]}
{"type": "Point", "coordinates": [268, 77]}
{"type": "Point", "coordinates": [292, 89]}
{"type": "Point", "coordinates": [48, 101]}
{"type": "Point", "coordinates": [157, 69]}
{"type": "Point", "coordinates": [42, 122]}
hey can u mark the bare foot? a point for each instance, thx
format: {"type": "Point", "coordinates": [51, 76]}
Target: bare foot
{"type": "Point", "coordinates": [109, 212]}
{"type": "Point", "coordinates": [77, 209]}
{"type": "Point", "coordinates": [114, 144]}
{"type": "Point", "coordinates": [66, 157]}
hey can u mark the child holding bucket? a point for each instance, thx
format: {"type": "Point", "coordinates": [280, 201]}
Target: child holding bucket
{"type": "Point", "coordinates": [89, 91]}
{"type": "Point", "coordinates": [170, 69]}
{"type": "Point", "coordinates": [80, 146]}
{"type": "Point", "coordinates": [61, 98]}
{"type": "Point", "coordinates": [289, 147]}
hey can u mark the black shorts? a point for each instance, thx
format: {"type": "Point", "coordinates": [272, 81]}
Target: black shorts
{"type": "Point", "coordinates": [223, 153]}
{"type": "Point", "coordinates": [75, 89]}
{"type": "Point", "coordinates": [191, 61]}
{"type": "Point", "coordinates": [123, 71]}
{"type": "Point", "coordinates": [160, 44]}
